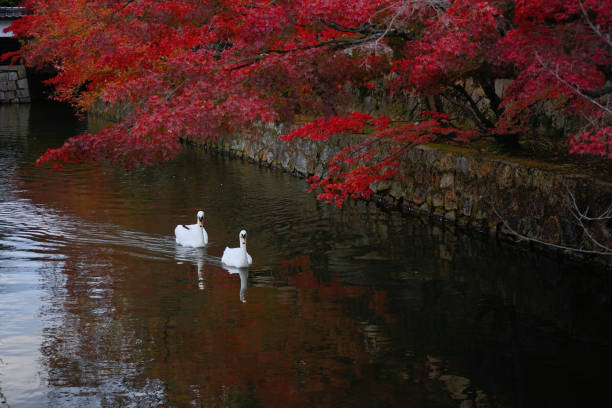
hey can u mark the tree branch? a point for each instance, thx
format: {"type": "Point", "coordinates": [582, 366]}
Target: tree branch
{"type": "Point", "coordinates": [521, 237]}
{"type": "Point", "coordinates": [571, 86]}
{"type": "Point", "coordinates": [474, 107]}
{"type": "Point", "coordinates": [369, 29]}
{"type": "Point", "coordinates": [595, 29]}
{"type": "Point", "coordinates": [581, 217]}
{"type": "Point", "coordinates": [466, 110]}
{"type": "Point", "coordinates": [333, 44]}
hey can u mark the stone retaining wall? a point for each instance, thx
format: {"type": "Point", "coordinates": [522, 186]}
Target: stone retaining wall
{"type": "Point", "coordinates": [14, 86]}
{"type": "Point", "coordinates": [465, 190]}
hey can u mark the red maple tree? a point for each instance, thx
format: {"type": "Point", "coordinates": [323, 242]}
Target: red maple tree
{"type": "Point", "coordinates": [187, 69]}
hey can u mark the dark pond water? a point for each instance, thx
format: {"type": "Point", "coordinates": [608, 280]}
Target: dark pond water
{"type": "Point", "coordinates": [361, 307]}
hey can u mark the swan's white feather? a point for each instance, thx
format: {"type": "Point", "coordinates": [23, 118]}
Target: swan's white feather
{"type": "Point", "coordinates": [237, 257]}
{"type": "Point", "coordinates": [192, 235]}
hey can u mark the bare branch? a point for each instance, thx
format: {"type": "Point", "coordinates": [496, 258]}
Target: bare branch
{"type": "Point", "coordinates": [334, 44]}
{"type": "Point", "coordinates": [581, 218]}
{"type": "Point", "coordinates": [605, 250]}
{"type": "Point", "coordinates": [467, 110]}
{"type": "Point", "coordinates": [368, 29]}
{"type": "Point", "coordinates": [595, 29]}
{"type": "Point", "coordinates": [571, 86]}
{"type": "Point", "coordinates": [606, 215]}
{"type": "Point", "coordinates": [390, 25]}
{"type": "Point", "coordinates": [474, 107]}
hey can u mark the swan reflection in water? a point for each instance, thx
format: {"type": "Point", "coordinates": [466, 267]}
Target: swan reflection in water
{"type": "Point", "coordinates": [201, 284]}
{"type": "Point", "coordinates": [242, 272]}
{"type": "Point", "coordinates": [198, 257]}
{"type": "Point", "coordinates": [244, 276]}
{"type": "Point", "coordinates": [195, 256]}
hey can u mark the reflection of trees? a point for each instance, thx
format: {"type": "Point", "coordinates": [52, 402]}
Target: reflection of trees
{"type": "Point", "coordinates": [2, 397]}
{"type": "Point", "coordinates": [15, 119]}
{"type": "Point", "coordinates": [309, 343]}
{"type": "Point", "coordinates": [304, 338]}
{"type": "Point", "coordinates": [279, 350]}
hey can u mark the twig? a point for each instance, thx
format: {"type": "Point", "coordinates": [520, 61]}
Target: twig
{"type": "Point", "coordinates": [606, 38]}
{"type": "Point", "coordinates": [399, 11]}
{"type": "Point", "coordinates": [607, 251]}
{"type": "Point", "coordinates": [571, 86]}
{"type": "Point", "coordinates": [606, 215]}
{"type": "Point", "coordinates": [337, 43]}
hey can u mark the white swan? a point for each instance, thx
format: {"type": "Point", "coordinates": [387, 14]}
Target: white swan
{"type": "Point", "coordinates": [193, 235]}
{"type": "Point", "coordinates": [237, 257]}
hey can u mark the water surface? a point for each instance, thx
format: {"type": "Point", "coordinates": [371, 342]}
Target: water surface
{"type": "Point", "coordinates": [356, 307]}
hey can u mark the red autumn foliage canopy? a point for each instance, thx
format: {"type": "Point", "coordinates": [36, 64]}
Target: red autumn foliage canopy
{"type": "Point", "coordinates": [187, 69]}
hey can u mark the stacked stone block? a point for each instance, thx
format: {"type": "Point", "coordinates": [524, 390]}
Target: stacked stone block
{"type": "Point", "coordinates": [14, 84]}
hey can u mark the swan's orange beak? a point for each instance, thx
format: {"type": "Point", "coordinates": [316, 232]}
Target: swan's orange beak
{"type": "Point", "coordinates": [243, 240]}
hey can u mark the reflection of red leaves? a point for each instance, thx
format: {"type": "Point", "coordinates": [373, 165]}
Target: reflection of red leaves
{"type": "Point", "coordinates": [305, 279]}
{"type": "Point", "coordinates": [295, 265]}
{"type": "Point", "coordinates": [379, 302]}
{"type": "Point", "coordinates": [300, 274]}
{"type": "Point", "coordinates": [280, 354]}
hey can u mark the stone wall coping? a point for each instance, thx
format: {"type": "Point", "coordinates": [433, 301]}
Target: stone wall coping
{"type": "Point", "coordinates": [12, 12]}
{"type": "Point", "coordinates": [509, 162]}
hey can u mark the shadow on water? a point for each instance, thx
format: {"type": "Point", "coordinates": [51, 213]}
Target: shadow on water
{"type": "Point", "coordinates": [359, 307]}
